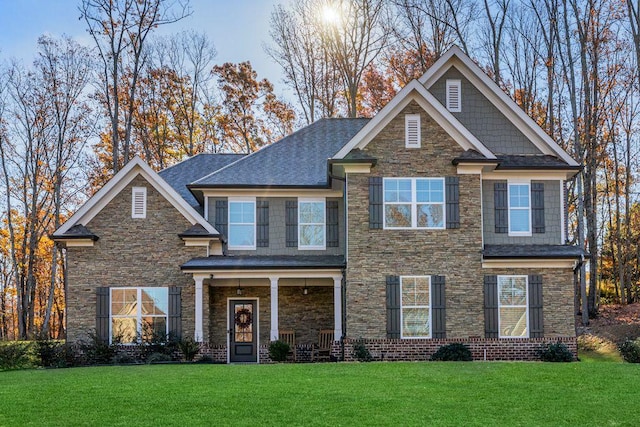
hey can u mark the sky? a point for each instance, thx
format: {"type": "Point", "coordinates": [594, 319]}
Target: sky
{"type": "Point", "coordinates": [238, 29]}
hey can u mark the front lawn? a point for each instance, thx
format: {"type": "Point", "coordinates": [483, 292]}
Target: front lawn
{"type": "Point", "coordinates": [435, 393]}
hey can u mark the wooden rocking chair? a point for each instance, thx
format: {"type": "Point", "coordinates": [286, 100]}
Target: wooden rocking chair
{"type": "Point", "coordinates": [289, 336]}
{"type": "Point", "coordinates": [323, 348]}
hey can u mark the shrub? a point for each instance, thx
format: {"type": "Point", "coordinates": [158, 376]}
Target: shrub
{"type": "Point", "coordinates": [557, 352]}
{"type": "Point", "coordinates": [52, 354]}
{"type": "Point", "coordinates": [97, 351]}
{"type": "Point", "coordinates": [454, 352]}
{"type": "Point", "coordinates": [361, 352]}
{"type": "Point", "coordinates": [630, 351]}
{"type": "Point", "coordinates": [157, 342]}
{"type": "Point", "coordinates": [158, 358]}
{"type": "Point", "coordinates": [189, 348]}
{"type": "Point", "coordinates": [278, 351]}
{"type": "Point", "coordinates": [15, 355]}
{"type": "Point", "coordinates": [205, 358]}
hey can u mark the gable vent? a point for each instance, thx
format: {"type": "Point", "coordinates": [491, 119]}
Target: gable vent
{"type": "Point", "coordinates": [139, 202]}
{"type": "Point", "coordinates": [412, 130]}
{"type": "Point", "coordinates": [454, 101]}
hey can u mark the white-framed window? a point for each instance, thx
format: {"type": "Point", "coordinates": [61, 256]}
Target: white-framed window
{"type": "Point", "coordinates": [513, 317]}
{"type": "Point", "coordinates": [312, 223]}
{"type": "Point", "coordinates": [414, 203]}
{"type": "Point", "coordinates": [454, 95]}
{"type": "Point", "coordinates": [412, 130]}
{"type": "Point", "coordinates": [519, 197]}
{"type": "Point", "coordinates": [138, 314]}
{"type": "Point", "coordinates": [415, 302]}
{"type": "Point", "coordinates": [138, 202]}
{"type": "Point", "coordinates": [242, 223]}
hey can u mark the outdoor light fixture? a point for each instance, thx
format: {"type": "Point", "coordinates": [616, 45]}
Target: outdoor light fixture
{"type": "Point", "coordinates": [305, 290]}
{"type": "Point", "coordinates": [239, 290]}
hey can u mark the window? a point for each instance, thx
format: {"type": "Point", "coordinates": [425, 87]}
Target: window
{"type": "Point", "coordinates": [139, 202]}
{"type": "Point", "coordinates": [414, 203]}
{"type": "Point", "coordinates": [454, 103]}
{"type": "Point", "coordinates": [519, 209]}
{"type": "Point", "coordinates": [416, 307]}
{"type": "Point", "coordinates": [412, 130]}
{"type": "Point", "coordinates": [512, 307]}
{"type": "Point", "coordinates": [138, 314]}
{"type": "Point", "coordinates": [242, 223]}
{"type": "Point", "coordinates": [311, 224]}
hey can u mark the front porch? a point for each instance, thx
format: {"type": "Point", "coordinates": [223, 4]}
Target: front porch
{"type": "Point", "coordinates": [239, 311]}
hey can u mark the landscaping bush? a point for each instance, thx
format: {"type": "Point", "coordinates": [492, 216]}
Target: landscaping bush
{"type": "Point", "coordinates": [361, 352]}
{"type": "Point", "coordinates": [159, 358]}
{"type": "Point", "coordinates": [97, 351]}
{"type": "Point", "coordinates": [454, 352]}
{"type": "Point", "coordinates": [51, 354]}
{"type": "Point", "coordinates": [630, 351]}
{"type": "Point", "coordinates": [278, 351]}
{"type": "Point", "coordinates": [557, 352]}
{"type": "Point", "coordinates": [15, 355]}
{"type": "Point", "coordinates": [157, 342]}
{"type": "Point", "coordinates": [189, 348]}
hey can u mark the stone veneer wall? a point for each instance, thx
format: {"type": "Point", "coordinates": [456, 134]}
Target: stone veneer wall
{"type": "Point", "coordinates": [374, 254]}
{"type": "Point", "coordinates": [130, 252]}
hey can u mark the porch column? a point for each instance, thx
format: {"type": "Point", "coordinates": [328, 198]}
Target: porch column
{"type": "Point", "coordinates": [274, 309]}
{"type": "Point", "coordinates": [337, 307]}
{"type": "Point", "coordinates": [198, 334]}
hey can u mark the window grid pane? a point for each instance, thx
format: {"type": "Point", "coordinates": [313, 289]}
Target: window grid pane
{"type": "Point", "coordinates": [415, 303]}
{"type": "Point", "coordinates": [242, 216]}
{"type": "Point", "coordinates": [519, 208]}
{"type": "Point", "coordinates": [414, 203]}
{"type": "Point", "coordinates": [311, 224]}
{"type": "Point", "coordinates": [512, 303]}
{"type": "Point", "coordinates": [138, 313]}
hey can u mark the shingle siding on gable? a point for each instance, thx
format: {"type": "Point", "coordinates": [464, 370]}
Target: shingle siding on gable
{"type": "Point", "coordinates": [277, 235]}
{"type": "Point", "coordinates": [552, 218]}
{"type": "Point", "coordinates": [484, 120]}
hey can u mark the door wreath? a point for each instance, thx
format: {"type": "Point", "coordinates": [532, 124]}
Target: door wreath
{"type": "Point", "coordinates": [243, 318]}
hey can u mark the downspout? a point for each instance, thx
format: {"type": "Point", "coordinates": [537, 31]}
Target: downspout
{"type": "Point", "coordinates": [344, 270]}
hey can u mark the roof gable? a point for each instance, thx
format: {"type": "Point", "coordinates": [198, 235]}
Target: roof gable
{"type": "Point", "coordinates": [455, 57]}
{"type": "Point", "coordinates": [414, 91]}
{"type": "Point", "coordinates": [135, 167]}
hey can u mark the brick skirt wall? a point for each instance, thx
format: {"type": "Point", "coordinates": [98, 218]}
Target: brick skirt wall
{"type": "Point", "coordinates": [481, 348]}
{"type": "Point", "coordinates": [523, 349]}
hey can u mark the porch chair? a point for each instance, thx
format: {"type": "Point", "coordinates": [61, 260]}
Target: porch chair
{"type": "Point", "coordinates": [323, 348]}
{"type": "Point", "coordinates": [289, 336]}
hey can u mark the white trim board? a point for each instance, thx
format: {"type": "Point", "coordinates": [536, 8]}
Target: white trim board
{"type": "Point", "coordinates": [115, 185]}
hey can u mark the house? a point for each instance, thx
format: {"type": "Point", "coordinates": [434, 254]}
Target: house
{"type": "Point", "coordinates": [442, 219]}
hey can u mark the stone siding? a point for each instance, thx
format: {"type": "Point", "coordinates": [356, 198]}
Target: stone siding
{"type": "Point", "coordinates": [483, 119]}
{"type": "Point", "coordinates": [130, 252]}
{"type": "Point", "coordinates": [552, 218]}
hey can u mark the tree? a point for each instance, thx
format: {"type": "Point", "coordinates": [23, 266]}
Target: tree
{"type": "Point", "coordinates": [120, 29]}
{"type": "Point", "coordinates": [245, 102]}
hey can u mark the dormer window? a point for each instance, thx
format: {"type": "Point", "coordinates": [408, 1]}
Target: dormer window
{"type": "Point", "coordinates": [412, 130]}
{"type": "Point", "coordinates": [454, 96]}
{"type": "Point", "coordinates": [139, 202]}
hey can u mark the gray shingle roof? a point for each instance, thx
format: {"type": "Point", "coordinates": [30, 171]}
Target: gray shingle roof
{"type": "Point", "coordinates": [533, 251]}
{"type": "Point", "coordinates": [187, 171]}
{"type": "Point", "coordinates": [78, 231]}
{"type": "Point", "coordinates": [298, 160]}
{"type": "Point", "coordinates": [253, 262]}
{"type": "Point", "coordinates": [197, 230]}
{"type": "Point", "coordinates": [515, 161]}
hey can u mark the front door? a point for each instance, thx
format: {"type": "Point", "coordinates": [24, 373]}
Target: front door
{"type": "Point", "coordinates": [243, 331]}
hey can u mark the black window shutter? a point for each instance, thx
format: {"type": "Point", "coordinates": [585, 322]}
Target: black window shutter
{"type": "Point", "coordinates": [175, 313]}
{"type": "Point", "coordinates": [452, 190]}
{"type": "Point", "coordinates": [222, 214]}
{"type": "Point", "coordinates": [501, 207]}
{"type": "Point", "coordinates": [332, 224]}
{"type": "Point", "coordinates": [438, 307]}
{"type": "Point", "coordinates": [491, 306]}
{"type": "Point", "coordinates": [536, 326]}
{"type": "Point", "coordinates": [393, 307]}
{"type": "Point", "coordinates": [262, 223]}
{"type": "Point", "coordinates": [291, 223]}
{"type": "Point", "coordinates": [375, 202]}
{"type": "Point", "coordinates": [537, 207]}
{"type": "Point", "coordinates": [102, 314]}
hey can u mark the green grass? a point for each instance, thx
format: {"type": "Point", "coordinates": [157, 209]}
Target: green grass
{"type": "Point", "coordinates": [430, 393]}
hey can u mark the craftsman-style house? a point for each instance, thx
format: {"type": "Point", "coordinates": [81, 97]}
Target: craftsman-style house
{"type": "Point", "coordinates": [442, 219]}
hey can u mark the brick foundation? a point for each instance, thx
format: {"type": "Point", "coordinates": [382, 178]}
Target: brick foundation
{"type": "Point", "coordinates": [481, 349]}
